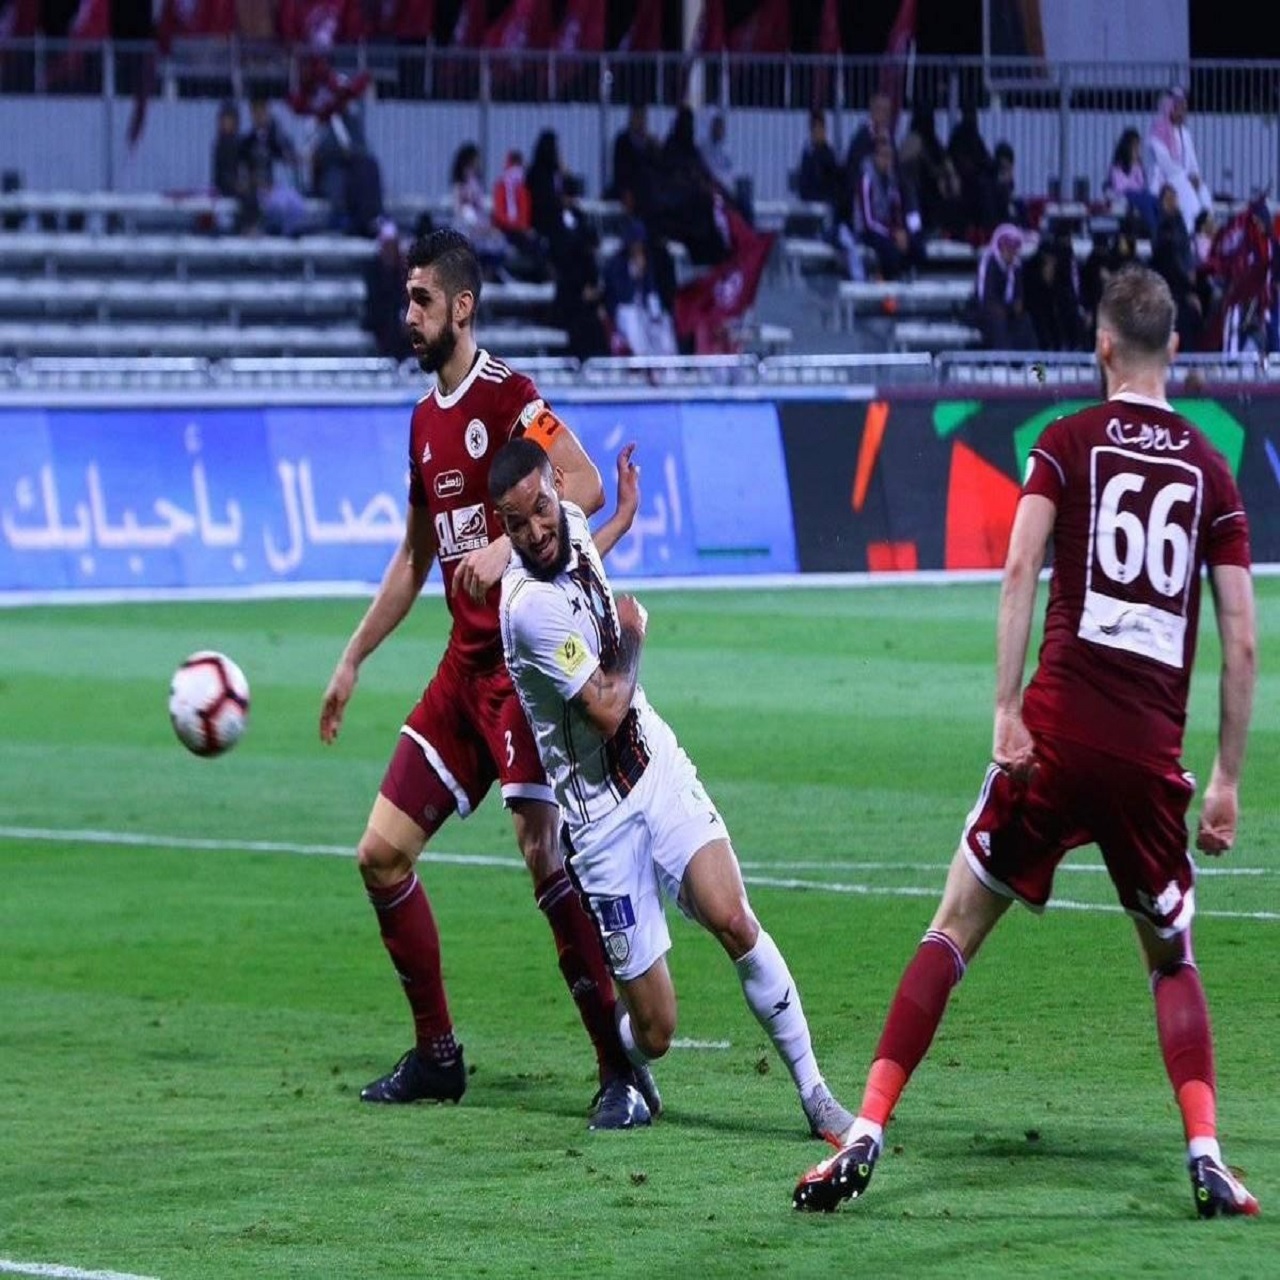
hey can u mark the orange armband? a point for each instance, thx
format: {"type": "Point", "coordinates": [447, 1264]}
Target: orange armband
{"type": "Point", "coordinates": [544, 428]}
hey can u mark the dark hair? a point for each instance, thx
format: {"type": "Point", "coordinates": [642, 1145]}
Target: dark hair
{"type": "Point", "coordinates": [1120, 157]}
{"type": "Point", "coordinates": [1202, 217]}
{"type": "Point", "coordinates": [454, 259]}
{"type": "Point", "coordinates": [546, 153]}
{"type": "Point", "coordinates": [515, 460]}
{"type": "Point", "coordinates": [1137, 305]}
{"type": "Point", "coordinates": [462, 161]}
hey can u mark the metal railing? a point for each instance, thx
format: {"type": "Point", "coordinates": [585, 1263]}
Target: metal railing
{"type": "Point", "coordinates": [705, 375]}
{"type": "Point", "coordinates": [1062, 120]}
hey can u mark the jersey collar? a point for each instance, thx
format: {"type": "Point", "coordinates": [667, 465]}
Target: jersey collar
{"type": "Point", "coordinates": [447, 402]}
{"type": "Point", "coordinates": [1132, 397]}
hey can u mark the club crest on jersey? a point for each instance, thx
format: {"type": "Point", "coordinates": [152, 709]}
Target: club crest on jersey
{"type": "Point", "coordinates": [617, 947]}
{"type": "Point", "coordinates": [449, 484]}
{"type": "Point", "coordinates": [476, 438]}
{"type": "Point", "coordinates": [465, 529]}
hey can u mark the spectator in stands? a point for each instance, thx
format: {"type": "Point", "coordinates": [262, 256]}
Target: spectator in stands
{"type": "Point", "coordinates": [227, 171]}
{"type": "Point", "coordinates": [469, 213]}
{"type": "Point", "coordinates": [229, 176]}
{"type": "Point", "coordinates": [642, 324]}
{"type": "Point", "coordinates": [1173, 158]}
{"type": "Point", "coordinates": [1051, 288]}
{"type": "Point", "coordinates": [1113, 250]}
{"type": "Point", "coordinates": [512, 207]}
{"type": "Point", "coordinates": [716, 157]}
{"type": "Point", "coordinates": [513, 216]}
{"type": "Point", "coordinates": [635, 161]}
{"type": "Point", "coordinates": [1007, 206]}
{"type": "Point", "coordinates": [734, 186]}
{"type": "Point", "coordinates": [818, 178]}
{"type": "Point", "coordinates": [1173, 255]}
{"type": "Point", "coordinates": [1205, 230]}
{"type": "Point", "coordinates": [270, 161]}
{"type": "Point", "coordinates": [384, 278]}
{"type": "Point", "coordinates": [1127, 180]}
{"type": "Point", "coordinates": [877, 125]}
{"type": "Point", "coordinates": [1244, 260]}
{"type": "Point", "coordinates": [976, 170]}
{"type": "Point", "coordinates": [683, 201]}
{"type": "Point", "coordinates": [885, 221]}
{"type": "Point", "coordinates": [928, 172]}
{"type": "Point", "coordinates": [346, 174]}
{"type": "Point", "coordinates": [1000, 312]}
{"type": "Point", "coordinates": [546, 183]}
{"type": "Point", "coordinates": [579, 301]}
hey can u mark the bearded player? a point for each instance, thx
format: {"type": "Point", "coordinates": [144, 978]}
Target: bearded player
{"type": "Point", "coordinates": [468, 729]}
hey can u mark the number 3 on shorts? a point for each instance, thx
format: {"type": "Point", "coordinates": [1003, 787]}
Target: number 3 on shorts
{"type": "Point", "coordinates": [511, 749]}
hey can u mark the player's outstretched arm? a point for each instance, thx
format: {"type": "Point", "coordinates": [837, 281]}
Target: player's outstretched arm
{"type": "Point", "coordinates": [401, 585]}
{"type": "Point", "coordinates": [615, 528]}
{"type": "Point", "coordinates": [1237, 628]}
{"type": "Point", "coordinates": [1012, 747]}
{"type": "Point", "coordinates": [606, 697]}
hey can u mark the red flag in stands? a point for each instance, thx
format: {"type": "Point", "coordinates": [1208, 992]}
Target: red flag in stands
{"type": "Point", "coordinates": [468, 30]}
{"type": "Point", "coordinates": [411, 19]}
{"type": "Point", "coordinates": [829, 43]}
{"type": "Point", "coordinates": [712, 32]}
{"type": "Point", "coordinates": [893, 71]}
{"type": "Point", "coordinates": [192, 19]}
{"type": "Point", "coordinates": [92, 21]}
{"type": "Point", "coordinates": [321, 23]}
{"type": "Point", "coordinates": [767, 30]}
{"type": "Point", "coordinates": [525, 25]}
{"type": "Point", "coordinates": [582, 30]}
{"type": "Point", "coordinates": [645, 33]}
{"type": "Point", "coordinates": [19, 19]}
{"type": "Point", "coordinates": [706, 308]}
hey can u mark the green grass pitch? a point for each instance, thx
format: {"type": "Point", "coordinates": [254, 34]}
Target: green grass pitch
{"type": "Point", "coordinates": [187, 1014]}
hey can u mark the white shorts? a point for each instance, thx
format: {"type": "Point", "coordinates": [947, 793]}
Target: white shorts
{"type": "Point", "coordinates": [629, 862]}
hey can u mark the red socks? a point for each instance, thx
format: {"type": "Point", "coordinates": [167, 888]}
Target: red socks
{"type": "Point", "coordinates": [914, 1015]}
{"type": "Point", "coordinates": [1186, 1041]}
{"type": "Point", "coordinates": [413, 943]}
{"type": "Point", "coordinates": [585, 972]}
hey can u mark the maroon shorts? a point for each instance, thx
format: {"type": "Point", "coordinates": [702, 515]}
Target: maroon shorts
{"type": "Point", "coordinates": [1017, 833]}
{"type": "Point", "coordinates": [467, 731]}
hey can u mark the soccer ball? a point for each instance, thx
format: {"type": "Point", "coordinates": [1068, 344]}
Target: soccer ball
{"type": "Point", "coordinates": [208, 703]}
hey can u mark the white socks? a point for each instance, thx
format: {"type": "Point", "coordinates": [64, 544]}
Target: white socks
{"type": "Point", "coordinates": [629, 1046]}
{"type": "Point", "coordinates": [1198, 1147]}
{"type": "Point", "coordinates": [771, 992]}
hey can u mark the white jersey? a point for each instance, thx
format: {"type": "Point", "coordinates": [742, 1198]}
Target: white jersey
{"type": "Point", "coordinates": [554, 636]}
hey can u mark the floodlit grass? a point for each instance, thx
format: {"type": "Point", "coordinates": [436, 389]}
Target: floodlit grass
{"type": "Point", "coordinates": [183, 1031]}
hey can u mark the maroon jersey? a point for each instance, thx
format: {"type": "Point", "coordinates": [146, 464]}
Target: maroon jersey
{"type": "Point", "coordinates": [452, 440]}
{"type": "Point", "coordinates": [1144, 502]}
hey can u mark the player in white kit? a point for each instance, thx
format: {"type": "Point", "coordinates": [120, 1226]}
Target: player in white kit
{"type": "Point", "coordinates": [638, 827]}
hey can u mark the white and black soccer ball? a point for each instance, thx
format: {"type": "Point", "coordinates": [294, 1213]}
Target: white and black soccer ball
{"type": "Point", "coordinates": [209, 703]}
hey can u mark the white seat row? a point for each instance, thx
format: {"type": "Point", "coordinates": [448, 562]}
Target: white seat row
{"type": "Point", "coordinates": [929, 294]}
{"type": "Point", "coordinates": [921, 335]}
{"type": "Point", "coordinates": [212, 341]}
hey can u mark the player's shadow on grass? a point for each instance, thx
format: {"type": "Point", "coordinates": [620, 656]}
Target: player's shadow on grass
{"type": "Point", "coordinates": [547, 1094]}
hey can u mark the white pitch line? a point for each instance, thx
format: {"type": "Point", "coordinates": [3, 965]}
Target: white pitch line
{"type": "Point", "coordinates": [701, 1044]}
{"type": "Point", "coordinates": [128, 839]}
{"type": "Point", "coordinates": [1088, 867]}
{"type": "Point", "coordinates": [11, 1268]}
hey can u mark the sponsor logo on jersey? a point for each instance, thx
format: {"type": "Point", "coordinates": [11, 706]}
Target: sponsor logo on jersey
{"type": "Point", "coordinates": [449, 484]}
{"type": "Point", "coordinates": [476, 438]}
{"type": "Point", "coordinates": [571, 654]}
{"type": "Point", "coordinates": [531, 411]}
{"type": "Point", "coordinates": [462, 530]}
{"type": "Point", "coordinates": [1145, 435]}
{"type": "Point", "coordinates": [614, 914]}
